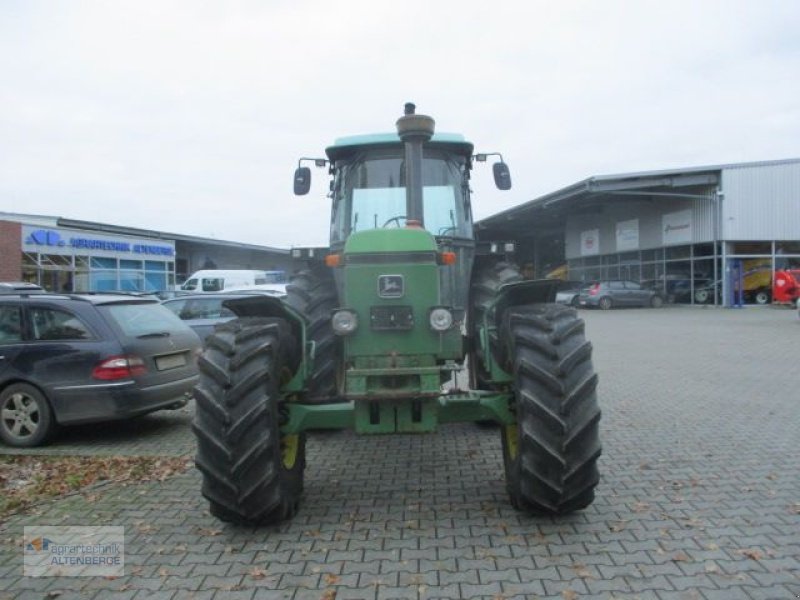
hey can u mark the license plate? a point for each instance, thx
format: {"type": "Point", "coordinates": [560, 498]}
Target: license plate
{"type": "Point", "coordinates": [170, 361]}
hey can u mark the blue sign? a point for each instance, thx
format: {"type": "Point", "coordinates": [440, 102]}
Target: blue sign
{"type": "Point", "coordinates": [48, 237]}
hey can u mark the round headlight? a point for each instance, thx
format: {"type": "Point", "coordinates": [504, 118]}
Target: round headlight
{"type": "Point", "coordinates": [344, 322]}
{"type": "Point", "coordinates": [441, 319]}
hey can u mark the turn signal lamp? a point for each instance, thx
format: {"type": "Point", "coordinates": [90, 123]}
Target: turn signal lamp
{"type": "Point", "coordinates": [333, 260]}
{"type": "Point", "coordinates": [447, 258]}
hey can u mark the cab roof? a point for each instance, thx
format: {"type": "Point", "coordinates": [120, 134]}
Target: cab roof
{"type": "Point", "coordinates": [343, 146]}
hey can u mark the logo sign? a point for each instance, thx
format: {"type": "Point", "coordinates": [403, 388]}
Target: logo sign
{"type": "Point", "coordinates": [75, 241]}
{"type": "Point", "coordinates": [628, 235]}
{"type": "Point", "coordinates": [677, 227]}
{"type": "Point", "coordinates": [391, 286]}
{"type": "Point", "coordinates": [51, 551]}
{"type": "Point", "coordinates": [590, 242]}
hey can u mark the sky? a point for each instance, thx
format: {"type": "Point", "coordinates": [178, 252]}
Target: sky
{"type": "Point", "coordinates": [189, 117]}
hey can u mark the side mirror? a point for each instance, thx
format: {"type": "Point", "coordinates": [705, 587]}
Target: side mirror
{"type": "Point", "coordinates": [502, 176]}
{"type": "Point", "coordinates": [302, 181]}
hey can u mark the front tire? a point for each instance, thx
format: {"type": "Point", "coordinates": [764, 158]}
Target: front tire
{"type": "Point", "coordinates": [486, 283]}
{"type": "Point", "coordinates": [762, 297]}
{"type": "Point", "coordinates": [550, 454]}
{"type": "Point", "coordinates": [252, 474]}
{"type": "Point", "coordinates": [605, 303]}
{"type": "Point", "coordinates": [315, 298]}
{"type": "Point", "coordinates": [26, 419]}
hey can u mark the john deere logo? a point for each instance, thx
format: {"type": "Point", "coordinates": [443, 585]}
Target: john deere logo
{"type": "Point", "coordinates": [391, 286]}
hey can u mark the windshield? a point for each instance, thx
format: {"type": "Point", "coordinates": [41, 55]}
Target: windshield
{"type": "Point", "coordinates": [370, 193]}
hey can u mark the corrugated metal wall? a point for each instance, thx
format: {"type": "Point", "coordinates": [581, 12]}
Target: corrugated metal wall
{"type": "Point", "coordinates": [761, 202]}
{"type": "Point", "coordinates": [650, 222]}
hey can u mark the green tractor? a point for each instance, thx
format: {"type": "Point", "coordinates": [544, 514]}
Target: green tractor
{"type": "Point", "coordinates": [379, 332]}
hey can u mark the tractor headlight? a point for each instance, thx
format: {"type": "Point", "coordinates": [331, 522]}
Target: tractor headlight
{"type": "Point", "coordinates": [344, 322]}
{"type": "Point", "coordinates": [441, 319]}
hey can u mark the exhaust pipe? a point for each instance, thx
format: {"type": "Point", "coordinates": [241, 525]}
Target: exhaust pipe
{"type": "Point", "coordinates": [414, 130]}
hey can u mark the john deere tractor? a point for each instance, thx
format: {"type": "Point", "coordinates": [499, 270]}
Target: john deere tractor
{"type": "Point", "coordinates": [382, 330]}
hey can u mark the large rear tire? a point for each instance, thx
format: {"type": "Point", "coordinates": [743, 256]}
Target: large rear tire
{"type": "Point", "coordinates": [251, 473]}
{"type": "Point", "coordinates": [315, 298]}
{"type": "Point", "coordinates": [550, 454]}
{"type": "Point", "coordinates": [485, 285]}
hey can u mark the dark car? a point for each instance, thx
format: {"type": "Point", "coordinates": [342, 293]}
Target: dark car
{"type": "Point", "coordinates": [79, 358]}
{"type": "Point", "coordinates": [618, 293]}
{"type": "Point", "coordinates": [202, 312]}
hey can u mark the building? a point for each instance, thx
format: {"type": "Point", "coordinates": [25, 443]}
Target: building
{"type": "Point", "coordinates": [698, 234]}
{"type": "Point", "coordinates": [68, 255]}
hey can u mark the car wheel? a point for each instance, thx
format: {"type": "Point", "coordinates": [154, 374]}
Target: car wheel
{"type": "Point", "coordinates": [762, 297]}
{"type": "Point", "coordinates": [575, 302]}
{"type": "Point", "coordinates": [656, 302]}
{"type": "Point", "coordinates": [25, 416]}
{"type": "Point", "coordinates": [701, 296]}
{"type": "Point", "coordinates": [605, 303]}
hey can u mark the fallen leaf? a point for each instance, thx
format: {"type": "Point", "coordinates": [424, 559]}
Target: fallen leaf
{"type": "Point", "coordinates": [712, 568]}
{"type": "Point", "coordinates": [569, 594]}
{"type": "Point", "coordinates": [331, 579]}
{"type": "Point", "coordinates": [163, 573]}
{"type": "Point", "coordinates": [328, 595]}
{"type": "Point", "coordinates": [211, 532]}
{"type": "Point", "coordinates": [617, 526]}
{"type": "Point", "coordinates": [680, 557]}
{"type": "Point", "coordinates": [751, 553]}
{"type": "Point", "coordinates": [582, 571]}
{"type": "Point", "coordinates": [257, 573]}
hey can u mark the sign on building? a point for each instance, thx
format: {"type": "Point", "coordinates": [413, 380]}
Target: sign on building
{"type": "Point", "coordinates": [676, 228]}
{"type": "Point", "coordinates": [590, 242]}
{"type": "Point", "coordinates": [628, 235]}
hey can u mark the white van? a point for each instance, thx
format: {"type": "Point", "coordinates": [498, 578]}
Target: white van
{"type": "Point", "coordinates": [222, 280]}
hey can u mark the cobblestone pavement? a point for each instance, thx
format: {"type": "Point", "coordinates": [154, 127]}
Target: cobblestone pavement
{"type": "Point", "coordinates": [699, 499]}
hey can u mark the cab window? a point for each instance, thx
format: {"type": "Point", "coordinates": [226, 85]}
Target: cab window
{"type": "Point", "coordinates": [10, 324]}
{"type": "Point", "coordinates": [55, 324]}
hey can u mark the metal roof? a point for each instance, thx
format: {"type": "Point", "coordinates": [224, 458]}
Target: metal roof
{"type": "Point", "coordinates": [652, 182]}
{"type": "Point", "coordinates": [342, 146]}
{"type": "Point", "coordinates": [47, 221]}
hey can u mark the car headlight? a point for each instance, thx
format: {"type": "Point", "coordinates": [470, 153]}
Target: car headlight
{"type": "Point", "coordinates": [344, 322]}
{"type": "Point", "coordinates": [441, 319]}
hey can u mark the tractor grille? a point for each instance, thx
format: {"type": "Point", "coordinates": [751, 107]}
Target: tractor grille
{"type": "Point", "coordinates": [391, 318]}
{"type": "Point", "coordinates": [385, 258]}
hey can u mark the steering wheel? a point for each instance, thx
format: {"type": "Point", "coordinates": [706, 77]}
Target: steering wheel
{"type": "Point", "coordinates": [396, 220]}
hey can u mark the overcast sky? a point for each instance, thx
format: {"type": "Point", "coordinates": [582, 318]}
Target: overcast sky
{"type": "Point", "coordinates": [190, 116]}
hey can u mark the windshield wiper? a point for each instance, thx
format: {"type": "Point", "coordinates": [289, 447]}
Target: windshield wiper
{"type": "Point", "coordinates": [154, 334]}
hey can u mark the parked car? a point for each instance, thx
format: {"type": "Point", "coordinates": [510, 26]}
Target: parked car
{"type": "Point", "coordinates": [78, 358]}
{"type": "Point", "coordinates": [618, 293]}
{"type": "Point", "coordinates": [568, 292]}
{"type": "Point", "coordinates": [202, 312]}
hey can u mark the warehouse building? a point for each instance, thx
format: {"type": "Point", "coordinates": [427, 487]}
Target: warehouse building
{"type": "Point", "coordinates": [709, 235]}
{"type": "Point", "coordinates": [75, 256]}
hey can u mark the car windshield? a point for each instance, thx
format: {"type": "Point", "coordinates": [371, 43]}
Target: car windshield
{"type": "Point", "coordinates": [143, 318]}
{"type": "Point", "coordinates": [370, 193]}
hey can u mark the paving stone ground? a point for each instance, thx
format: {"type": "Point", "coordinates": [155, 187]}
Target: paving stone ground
{"type": "Point", "coordinates": [699, 498]}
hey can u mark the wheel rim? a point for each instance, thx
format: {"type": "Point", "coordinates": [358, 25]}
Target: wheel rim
{"type": "Point", "coordinates": [290, 445]}
{"type": "Point", "coordinates": [605, 303]}
{"type": "Point", "coordinates": [701, 296]}
{"type": "Point", "coordinates": [512, 441]}
{"type": "Point", "coordinates": [762, 298]}
{"type": "Point", "coordinates": [21, 415]}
